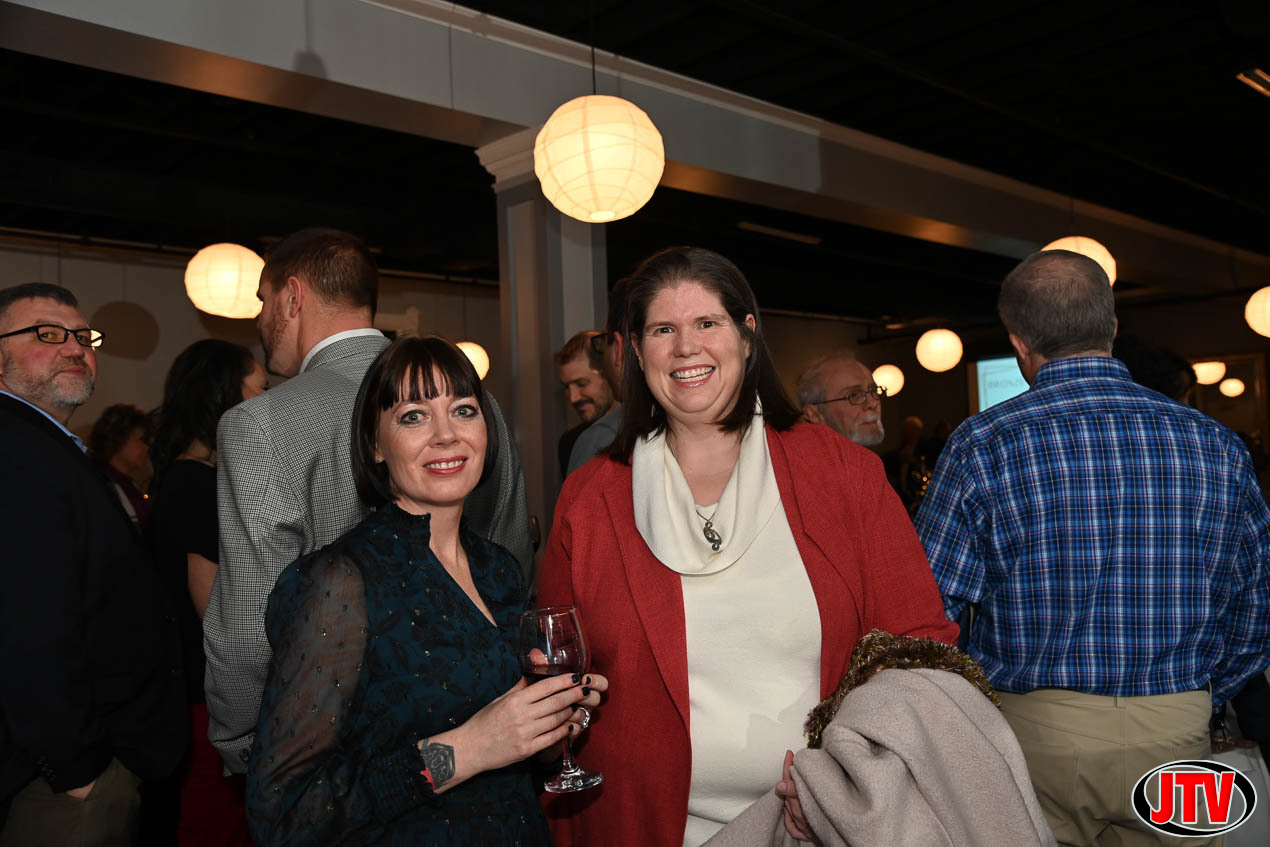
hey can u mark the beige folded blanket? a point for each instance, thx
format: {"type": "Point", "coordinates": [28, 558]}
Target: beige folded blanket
{"type": "Point", "coordinates": [913, 757]}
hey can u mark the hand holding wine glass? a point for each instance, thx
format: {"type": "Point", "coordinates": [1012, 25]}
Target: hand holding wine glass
{"type": "Point", "coordinates": [551, 644]}
{"type": "Point", "coordinates": [523, 721]}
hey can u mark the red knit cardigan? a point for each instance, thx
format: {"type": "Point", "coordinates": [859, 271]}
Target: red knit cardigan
{"type": "Point", "coordinates": [866, 568]}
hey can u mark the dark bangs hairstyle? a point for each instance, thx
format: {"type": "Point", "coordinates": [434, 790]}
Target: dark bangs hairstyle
{"type": "Point", "coordinates": [410, 370]}
{"type": "Point", "coordinates": [204, 382]}
{"type": "Point", "coordinates": [667, 269]}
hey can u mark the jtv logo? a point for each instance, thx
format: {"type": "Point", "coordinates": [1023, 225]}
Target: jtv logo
{"type": "Point", "coordinates": [1194, 798]}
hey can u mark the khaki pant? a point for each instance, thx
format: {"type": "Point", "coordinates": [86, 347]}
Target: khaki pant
{"type": "Point", "coordinates": [1086, 752]}
{"type": "Point", "coordinates": [38, 817]}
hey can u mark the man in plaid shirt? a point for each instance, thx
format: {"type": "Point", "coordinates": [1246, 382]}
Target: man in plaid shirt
{"type": "Point", "coordinates": [1117, 547]}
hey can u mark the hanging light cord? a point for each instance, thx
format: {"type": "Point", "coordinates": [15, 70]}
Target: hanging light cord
{"type": "Point", "coordinates": [592, 40]}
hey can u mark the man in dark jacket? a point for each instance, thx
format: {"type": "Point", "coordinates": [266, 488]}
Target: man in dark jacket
{"type": "Point", "coordinates": [91, 700]}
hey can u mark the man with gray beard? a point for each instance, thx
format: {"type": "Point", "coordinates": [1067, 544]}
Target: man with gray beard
{"type": "Point", "coordinates": [838, 390]}
{"type": "Point", "coordinates": [91, 700]}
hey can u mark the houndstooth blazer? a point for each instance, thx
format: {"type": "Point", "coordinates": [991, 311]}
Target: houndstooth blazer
{"type": "Point", "coordinates": [285, 488]}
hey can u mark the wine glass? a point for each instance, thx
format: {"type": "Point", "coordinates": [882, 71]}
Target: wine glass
{"type": "Point", "coordinates": [551, 644]}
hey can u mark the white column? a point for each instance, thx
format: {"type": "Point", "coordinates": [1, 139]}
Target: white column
{"type": "Point", "coordinates": [552, 283]}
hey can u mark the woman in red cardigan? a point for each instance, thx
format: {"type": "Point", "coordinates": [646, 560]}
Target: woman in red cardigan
{"type": "Point", "coordinates": [725, 559]}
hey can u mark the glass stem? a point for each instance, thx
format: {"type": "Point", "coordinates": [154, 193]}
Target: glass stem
{"type": "Point", "coordinates": [569, 767]}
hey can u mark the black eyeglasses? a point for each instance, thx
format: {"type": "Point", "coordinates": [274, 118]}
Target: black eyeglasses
{"type": "Point", "coordinates": [860, 396]}
{"type": "Point", "coordinates": [54, 334]}
{"type": "Point", "coordinates": [599, 343]}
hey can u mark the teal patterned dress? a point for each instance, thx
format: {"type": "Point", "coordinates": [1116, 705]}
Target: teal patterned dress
{"type": "Point", "coordinates": [375, 647]}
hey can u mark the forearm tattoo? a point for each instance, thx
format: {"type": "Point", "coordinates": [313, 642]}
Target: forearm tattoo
{"type": "Point", "coordinates": [438, 763]}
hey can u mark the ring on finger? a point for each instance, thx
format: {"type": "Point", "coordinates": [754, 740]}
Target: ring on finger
{"type": "Point", "coordinates": [586, 718]}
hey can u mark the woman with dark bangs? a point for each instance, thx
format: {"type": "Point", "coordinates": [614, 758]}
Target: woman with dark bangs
{"type": "Point", "coordinates": [395, 711]}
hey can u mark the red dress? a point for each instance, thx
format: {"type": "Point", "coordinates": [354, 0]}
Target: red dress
{"type": "Point", "coordinates": [866, 568]}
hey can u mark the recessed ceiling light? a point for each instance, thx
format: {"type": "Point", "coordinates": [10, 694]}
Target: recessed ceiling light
{"type": "Point", "coordinates": [1257, 79]}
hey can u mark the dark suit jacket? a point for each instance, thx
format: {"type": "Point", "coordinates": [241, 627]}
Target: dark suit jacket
{"type": "Point", "coordinates": [565, 446]}
{"type": "Point", "coordinates": [88, 643]}
{"type": "Point", "coordinates": [866, 568]}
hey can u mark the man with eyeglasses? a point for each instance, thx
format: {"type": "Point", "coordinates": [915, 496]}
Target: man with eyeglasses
{"type": "Point", "coordinates": [91, 700]}
{"type": "Point", "coordinates": [838, 390]}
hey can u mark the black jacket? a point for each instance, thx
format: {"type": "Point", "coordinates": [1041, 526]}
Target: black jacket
{"type": "Point", "coordinates": [89, 654]}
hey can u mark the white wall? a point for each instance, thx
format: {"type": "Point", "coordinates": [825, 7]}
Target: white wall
{"type": "Point", "coordinates": [138, 300]}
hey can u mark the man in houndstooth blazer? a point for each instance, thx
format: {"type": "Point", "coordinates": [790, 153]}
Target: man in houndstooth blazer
{"type": "Point", "coordinates": [284, 476]}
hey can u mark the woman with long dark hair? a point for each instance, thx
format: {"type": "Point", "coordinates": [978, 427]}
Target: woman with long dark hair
{"type": "Point", "coordinates": [206, 380]}
{"type": "Point", "coordinates": [725, 559]}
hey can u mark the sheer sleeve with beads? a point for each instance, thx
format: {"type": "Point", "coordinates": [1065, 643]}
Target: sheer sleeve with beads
{"type": "Point", "coordinates": [306, 783]}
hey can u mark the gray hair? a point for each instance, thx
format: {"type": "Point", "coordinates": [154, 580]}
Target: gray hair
{"type": "Point", "coordinates": [1060, 303]}
{"type": "Point", "coordinates": [811, 390]}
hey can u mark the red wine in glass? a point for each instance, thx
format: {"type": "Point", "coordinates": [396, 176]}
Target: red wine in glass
{"type": "Point", "coordinates": [551, 643]}
{"type": "Point", "coordinates": [537, 673]}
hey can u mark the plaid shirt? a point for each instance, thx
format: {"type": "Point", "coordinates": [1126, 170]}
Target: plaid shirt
{"type": "Point", "coordinates": [1116, 541]}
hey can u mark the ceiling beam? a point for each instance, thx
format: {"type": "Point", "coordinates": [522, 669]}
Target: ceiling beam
{"type": "Point", "coordinates": [446, 72]}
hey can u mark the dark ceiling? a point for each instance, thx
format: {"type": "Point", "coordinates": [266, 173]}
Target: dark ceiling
{"type": "Point", "coordinates": [1133, 105]}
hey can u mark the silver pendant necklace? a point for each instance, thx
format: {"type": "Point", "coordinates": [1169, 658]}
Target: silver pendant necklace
{"type": "Point", "coordinates": [712, 536]}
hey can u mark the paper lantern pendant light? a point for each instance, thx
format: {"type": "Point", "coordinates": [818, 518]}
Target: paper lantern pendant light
{"type": "Point", "coordinates": [889, 377]}
{"type": "Point", "coordinates": [1209, 373]}
{"type": "Point", "coordinates": [1231, 387]}
{"type": "Point", "coordinates": [477, 355]}
{"type": "Point", "coordinates": [599, 158]}
{"type": "Point", "coordinates": [939, 350]}
{"type": "Point", "coordinates": [1087, 247]}
{"type": "Point", "coordinates": [222, 279]}
{"type": "Point", "coordinates": [1257, 312]}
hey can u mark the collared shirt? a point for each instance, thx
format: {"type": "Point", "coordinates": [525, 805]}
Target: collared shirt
{"type": "Point", "coordinates": [79, 442]}
{"type": "Point", "coordinates": [1116, 540]}
{"type": "Point", "coordinates": [331, 339]}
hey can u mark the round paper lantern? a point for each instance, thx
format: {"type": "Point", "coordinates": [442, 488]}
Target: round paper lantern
{"type": "Point", "coordinates": [1231, 387]}
{"type": "Point", "coordinates": [1087, 247]}
{"type": "Point", "coordinates": [889, 377]}
{"type": "Point", "coordinates": [599, 158]}
{"type": "Point", "coordinates": [222, 280]}
{"type": "Point", "coordinates": [1257, 312]}
{"type": "Point", "coordinates": [1209, 373]}
{"type": "Point", "coordinates": [939, 350]}
{"type": "Point", "coordinates": [477, 355]}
